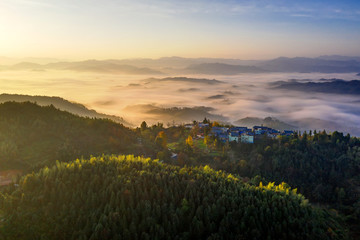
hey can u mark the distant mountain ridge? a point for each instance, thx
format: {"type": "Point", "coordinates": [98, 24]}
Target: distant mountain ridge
{"type": "Point", "coordinates": [179, 62]}
{"type": "Point", "coordinates": [104, 66]}
{"type": "Point", "coordinates": [179, 65]}
{"type": "Point", "coordinates": [222, 68]}
{"type": "Point", "coordinates": [301, 64]}
{"type": "Point", "coordinates": [184, 79]}
{"type": "Point", "coordinates": [101, 66]}
{"type": "Point", "coordinates": [62, 104]}
{"type": "Point", "coordinates": [339, 58]}
{"type": "Point", "coordinates": [337, 86]}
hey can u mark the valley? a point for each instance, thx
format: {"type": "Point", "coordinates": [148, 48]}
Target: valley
{"type": "Point", "coordinates": [179, 120]}
{"type": "Point", "coordinates": [183, 98]}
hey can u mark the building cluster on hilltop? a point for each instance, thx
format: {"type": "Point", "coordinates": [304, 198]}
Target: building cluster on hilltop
{"type": "Point", "coordinates": [247, 135]}
{"type": "Point", "coordinates": [242, 134]}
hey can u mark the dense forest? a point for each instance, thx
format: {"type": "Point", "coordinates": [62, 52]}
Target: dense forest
{"type": "Point", "coordinates": [126, 197]}
{"type": "Point", "coordinates": [32, 136]}
{"type": "Point", "coordinates": [324, 167]}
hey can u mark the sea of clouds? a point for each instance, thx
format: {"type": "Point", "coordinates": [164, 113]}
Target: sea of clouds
{"type": "Point", "coordinates": [228, 98]}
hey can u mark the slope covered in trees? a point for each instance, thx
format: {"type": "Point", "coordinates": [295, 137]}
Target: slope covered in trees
{"type": "Point", "coordinates": [122, 197]}
{"type": "Point", "coordinates": [62, 104]}
{"type": "Point", "coordinates": [31, 135]}
{"type": "Point", "coordinates": [324, 167]}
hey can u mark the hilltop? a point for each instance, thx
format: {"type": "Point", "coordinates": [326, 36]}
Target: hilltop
{"type": "Point", "coordinates": [125, 197]}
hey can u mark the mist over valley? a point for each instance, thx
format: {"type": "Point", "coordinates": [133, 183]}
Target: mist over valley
{"type": "Point", "coordinates": [153, 95]}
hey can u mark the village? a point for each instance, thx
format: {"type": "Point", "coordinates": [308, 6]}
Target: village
{"type": "Point", "coordinates": [239, 134]}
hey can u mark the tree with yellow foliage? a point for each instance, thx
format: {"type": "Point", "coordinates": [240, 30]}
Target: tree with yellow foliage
{"type": "Point", "coordinates": [215, 124]}
{"type": "Point", "coordinates": [207, 140]}
{"type": "Point", "coordinates": [189, 141]}
{"type": "Point", "coordinates": [161, 139]}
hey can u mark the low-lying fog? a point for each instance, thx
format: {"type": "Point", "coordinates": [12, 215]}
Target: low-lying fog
{"type": "Point", "coordinates": [227, 98]}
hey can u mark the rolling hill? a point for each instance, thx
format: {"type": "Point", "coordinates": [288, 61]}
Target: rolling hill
{"type": "Point", "coordinates": [32, 136]}
{"type": "Point", "coordinates": [62, 104]}
{"type": "Point", "coordinates": [125, 197]}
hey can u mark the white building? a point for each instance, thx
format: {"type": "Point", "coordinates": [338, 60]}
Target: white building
{"type": "Point", "coordinates": [246, 138]}
{"type": "Point", "coordinates": [233, 136]}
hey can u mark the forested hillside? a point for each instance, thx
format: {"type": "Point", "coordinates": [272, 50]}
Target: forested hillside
{"type": "Point", "coordinates": [122, 197]}
{"type": "Point", "coordinates": [62, 104]}
{"type": "Point", "coordinates": [324, 167]}
{"type": "Point", "coordinates": [31, 135]}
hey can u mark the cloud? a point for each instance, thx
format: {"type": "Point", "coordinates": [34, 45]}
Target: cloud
{"type": "Point", "coordinates": [301, 15]}
{"type": "Point", "coordinates": [38, 3]}
{"type": "Point", "coordinates": [184, 101]}
{"type": "Point", "coordinates": [174, 8]}
{"type": "Point", "coordinates": [105, 103]}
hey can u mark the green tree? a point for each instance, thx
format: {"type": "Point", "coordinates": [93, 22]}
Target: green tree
{"type": "Point", "coordinates": [143, 126]}
{"type": "Point", "coordinates": [161, 140]}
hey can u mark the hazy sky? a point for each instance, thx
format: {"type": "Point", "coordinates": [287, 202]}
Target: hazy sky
{"type": "Point", "coordinates": [81, 29]}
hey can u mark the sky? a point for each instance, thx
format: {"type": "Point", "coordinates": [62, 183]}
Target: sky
{"type": "Point", "coordinates": [263, 29]}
